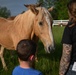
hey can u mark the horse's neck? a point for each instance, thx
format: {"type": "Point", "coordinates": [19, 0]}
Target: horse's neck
{"type": "Point", "coordinates": [24, 22]}
{"type": "Point", "coordinates": [25, 19]}
{"type": "Point", "coordinates": [29, 17]}
{"type": "Point", "coordinates": [34, 37]}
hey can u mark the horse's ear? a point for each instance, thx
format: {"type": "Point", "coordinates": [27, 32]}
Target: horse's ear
{"type": "Point", "coordinates": [51, 9]}
{"type": "Point", "coordinates": [32, 8]}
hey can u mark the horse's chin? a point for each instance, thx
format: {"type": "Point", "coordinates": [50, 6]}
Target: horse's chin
{"type": "Point", "coordinates": [49, 49]}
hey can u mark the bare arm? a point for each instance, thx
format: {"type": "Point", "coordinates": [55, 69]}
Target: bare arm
{"type": "Point", "coordinates": [65, 59]}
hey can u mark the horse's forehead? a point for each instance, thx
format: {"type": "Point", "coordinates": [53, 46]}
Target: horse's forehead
{"type": "Point", "coordinates": [46, 13]}
{"type": "Point", "coordinates": [47, 16]}
{"type": "Point", "coordinates": [45, 10]}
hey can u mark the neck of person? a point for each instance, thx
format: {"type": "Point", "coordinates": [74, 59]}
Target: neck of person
{"type": "Point", "coordinates": [24, 64]}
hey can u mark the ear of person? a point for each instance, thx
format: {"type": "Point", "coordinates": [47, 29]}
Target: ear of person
{"type": "Point", "coordinates": [32, 57]}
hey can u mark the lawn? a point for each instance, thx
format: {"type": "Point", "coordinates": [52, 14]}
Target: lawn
{"type": "Point", "coordinates": [47, 63]}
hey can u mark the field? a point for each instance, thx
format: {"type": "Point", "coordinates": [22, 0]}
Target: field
{"type": "Point", "coordinates": [47, 63]}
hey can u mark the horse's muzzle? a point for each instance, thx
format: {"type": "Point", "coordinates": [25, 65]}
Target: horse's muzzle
{"type": "Point", "coordinates": [50, 49]}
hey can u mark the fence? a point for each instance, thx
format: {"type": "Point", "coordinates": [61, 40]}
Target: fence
{"type": "Point", "coordinates": [60, 22]}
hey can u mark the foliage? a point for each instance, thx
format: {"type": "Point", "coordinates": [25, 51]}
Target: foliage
{"type": "Point", "coordinates": [46, 3]}
{"type": "Point", "coordinates": [60, 8]}
{"type": "Point", "coordinates": [47, 63]}
{"type": "Point", "coordinates": [4, 12]}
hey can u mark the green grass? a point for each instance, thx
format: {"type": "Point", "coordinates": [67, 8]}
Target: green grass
{"type": "Point", "coordinates": [47, 63]}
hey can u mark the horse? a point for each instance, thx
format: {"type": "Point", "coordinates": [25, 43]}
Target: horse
{"type": "Point", "coordinates": [34, 24]}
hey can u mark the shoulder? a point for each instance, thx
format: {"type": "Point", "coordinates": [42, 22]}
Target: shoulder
{"type": "Point", "coordinates": [36, 72]}
{"type": "Point", "coordinates": [69, 29]}
{"type": "Point", "coordinates": [69, 26]}
{"type": "Point", "coordinates": [15, 69]}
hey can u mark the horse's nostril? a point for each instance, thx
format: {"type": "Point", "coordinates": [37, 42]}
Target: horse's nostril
{"type": "Point", "coordinates": [50, 49]}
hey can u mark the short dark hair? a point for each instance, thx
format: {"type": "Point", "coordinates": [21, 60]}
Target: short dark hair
{"type": "Point", "coordinates": [26, 48]}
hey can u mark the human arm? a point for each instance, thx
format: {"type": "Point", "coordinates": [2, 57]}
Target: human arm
{"type": "Point", "coordinates": [65, 59]}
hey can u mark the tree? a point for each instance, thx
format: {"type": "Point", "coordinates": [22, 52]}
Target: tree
{"type": "Point", "coordinates": [4, 12]}
{"type": "Point", "coordinates": [47, 4]}
{"type": "Point", "coordinates": [60, 8]}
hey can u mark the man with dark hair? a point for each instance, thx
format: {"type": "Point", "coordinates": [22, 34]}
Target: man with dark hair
{"type": "Point", "coordinates": [68, 59]}
{"type": "Point", "coordinates": [26, 50]}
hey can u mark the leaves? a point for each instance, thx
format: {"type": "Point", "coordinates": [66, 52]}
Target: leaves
{"type": "Point", "coordinates": [4, 12]}
{"type": "Point", "coordinates": [60, 8]}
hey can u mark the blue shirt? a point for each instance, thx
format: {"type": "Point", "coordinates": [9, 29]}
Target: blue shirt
{"type": "Point", "coordinates": [24, 71]}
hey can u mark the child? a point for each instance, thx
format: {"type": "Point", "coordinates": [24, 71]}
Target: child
{"type": "Point", "coordinates": [26, 54]}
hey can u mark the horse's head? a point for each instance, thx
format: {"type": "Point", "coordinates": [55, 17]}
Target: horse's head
{"type": "Point", "coordinates": [42, 26]}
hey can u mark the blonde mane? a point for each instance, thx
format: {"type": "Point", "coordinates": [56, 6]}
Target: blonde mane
{"type": "Point", "coordinates": [23, 18]}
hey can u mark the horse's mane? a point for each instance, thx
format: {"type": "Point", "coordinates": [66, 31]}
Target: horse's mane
{"type": "Point", "coordinates": [23, 16]}
{"type": "Point", "coordinates": [28, 16]}
{"type": "Point", "coordinates": [4, 20]}
{"type": "Point", "coordinates": [47, 12]}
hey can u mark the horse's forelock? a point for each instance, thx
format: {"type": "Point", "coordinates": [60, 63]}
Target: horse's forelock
{"type": "Point", "coordinates": [48, 17]}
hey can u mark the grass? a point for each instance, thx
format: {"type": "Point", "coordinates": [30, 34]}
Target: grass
{"type": "Point", "coordinates": [47, 63]}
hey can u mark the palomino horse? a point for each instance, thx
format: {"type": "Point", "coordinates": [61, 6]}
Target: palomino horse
{"type": "Point", "coordinates": [33, 24]}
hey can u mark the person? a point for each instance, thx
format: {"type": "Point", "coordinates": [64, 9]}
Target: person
{"type": "Point", "coordinates": [68, 59]}
{"type": "Point", "coordinates": [26, 54]}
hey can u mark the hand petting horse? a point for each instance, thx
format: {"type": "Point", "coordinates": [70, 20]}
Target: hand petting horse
{"type": "Point", "coordinates": [33, 24]}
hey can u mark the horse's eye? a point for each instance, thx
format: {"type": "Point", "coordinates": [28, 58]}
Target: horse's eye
{"type": "Point", "coordinates": [40, 23]}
